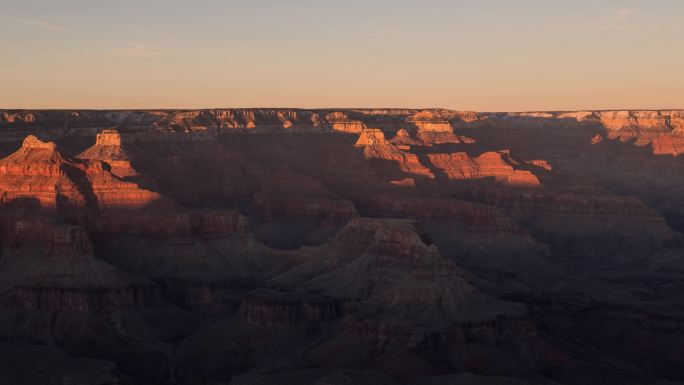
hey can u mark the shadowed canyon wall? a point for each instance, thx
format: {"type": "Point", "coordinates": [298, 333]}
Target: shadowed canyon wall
{"type": "Point", "coordinates": [357, 246]}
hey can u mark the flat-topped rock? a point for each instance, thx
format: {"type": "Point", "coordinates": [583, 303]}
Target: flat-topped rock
{"type": "Point", "coordinates": [371, 136]}
{"type": "Point", "coordinates": [32, 141]}
{"type": "Point", "coordinates": [108, 138]}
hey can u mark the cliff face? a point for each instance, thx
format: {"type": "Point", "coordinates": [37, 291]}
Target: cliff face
{"type": "Point", "coordinates": [661, 130]}
{"type": "Point", "coordinates": [498, 165]}
{"type": "Point", "coordinates": [38, 171]}
{"type": "Point", "coordinates": [108, 149]}
{"type": "Point", "coordinates": [376, 146]}
{"type": "Point", "coordinates": [208, 243]}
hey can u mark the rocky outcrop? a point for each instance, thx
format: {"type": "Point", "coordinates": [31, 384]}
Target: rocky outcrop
{"type": "Point", "coordinates": [108, 149]}
{"type": "Point", "coordinates": [634, 121]}
{"type": "Point", "coordinates": [375, 146]}
{"type": "Point", "coordinates": [111, 192]}
{"type": "Point", "coordinates": [672, 144]}
{"type": "Point", "coordinates": [431, 121]}
{"type": "Point", "coordinates": [339, 121]}
{"type": "Point", "coordinates": [34, 158]}
{"type": "Point", "coordinates": [597, 139]}
{"type": "Point", "coordinates": [37, 171]}
{"type": "Point", "coordinates": [439, 120]}
{"type": "Point", "coordinates": [661, 130]}
{"type": "Point", "coordinates": [435, 126]}
{"type": "Point", "coordinates": [371, 137]}
{"type": "Point", "coordinates": [498, 165]}
{"type": "Point", "coordinates": [404, 138]}
{"type": "Point", "coordinates": [541, 163]}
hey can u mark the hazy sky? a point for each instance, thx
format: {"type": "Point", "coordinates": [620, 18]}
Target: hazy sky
{"type": "Point", "coordinates": [486, 55]}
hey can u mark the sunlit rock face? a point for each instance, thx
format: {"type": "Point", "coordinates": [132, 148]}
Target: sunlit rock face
{"type": "Point", "coordinates": [339, 121]}
{"type": "Point", "coordinates": [662, 130]}
{"type": "Point", "coordinates": [376, 146]}
{"type": "Point", "coordinates": [111, 192]}
{"type": "Point", "coordinates": [436, 126]}
{"type": "Point", "coordinates": [35, 157]}
{"type": "Point", "coordinates": [431, 121]}
{"type": "Point", "coordinates": [38, 171]}
{"type": "Point", "coordinates": [108, 149]}
{"type": "Point", "coordinates": [393, 246]}
{"type": "Point", "coordinates": [498, 165]}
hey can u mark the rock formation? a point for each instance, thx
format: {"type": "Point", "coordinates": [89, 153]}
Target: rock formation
{"type": "Point", "coordinates": [108, 149]}
{"type": "Point", "coordinates": [404, 138]}
{"type": "Point", "coordinates": [38, 171]}
{"type": "Point", "coordinates": [489, 164]}
{"type": "Point", "coordinates": [375, 146]}
{"type": "Point", "coordinates": [339, 121]}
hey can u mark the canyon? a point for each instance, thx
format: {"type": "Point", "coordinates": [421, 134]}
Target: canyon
{"type": "Point", "coordinates": [341, 246]}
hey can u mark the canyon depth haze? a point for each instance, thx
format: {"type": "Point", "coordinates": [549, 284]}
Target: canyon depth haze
{"type": "Point", "coordinates": [300, 192]}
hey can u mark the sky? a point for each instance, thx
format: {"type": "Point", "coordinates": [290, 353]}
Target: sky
{"type": "Point", "coordinates": [482, 55]}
